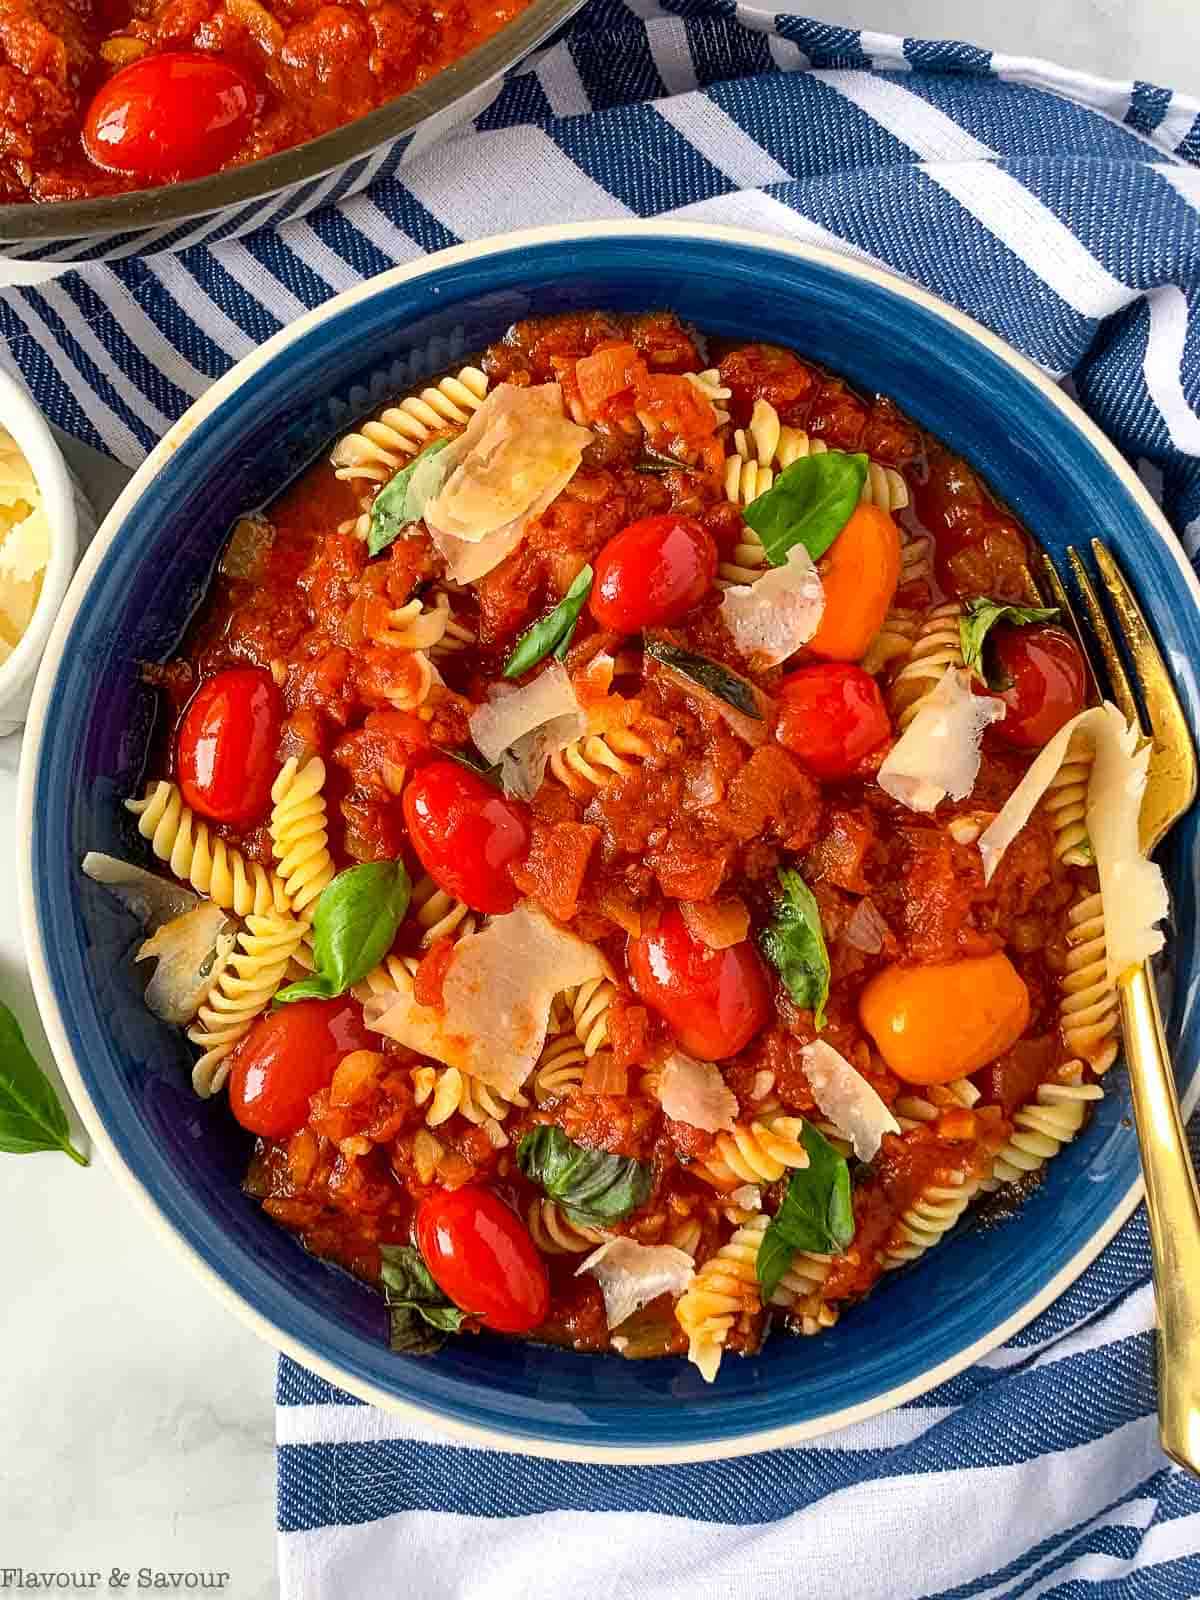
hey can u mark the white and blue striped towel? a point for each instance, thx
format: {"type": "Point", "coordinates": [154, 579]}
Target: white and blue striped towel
{"type": "Point", "coordinates": [1062, 211]}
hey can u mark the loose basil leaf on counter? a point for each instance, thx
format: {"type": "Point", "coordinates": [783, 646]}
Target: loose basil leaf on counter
{"type": "Point", "coordinates": [816, 1214]}
{"type": "Point", "coordinates": [593, 1185]}
{"type": "Point", "coordinates": [709, 675]}
{"type": "Point", "coordinates": [401, 501]}
{"type": "Point", "coordinates": [981, 616]}
{"type": "Point", "coordinates": [552, 633]}
{"type": "Point", "coordinates": [794, 943]}
{"type": "Point", "coordinates": [421, 1315]}
{"type": "Point", "coordinates": [353, 929]}
{"type": "Point", "coordinates": [809, 503]}
{"type": "Point", "coordinates": [31, 1114]}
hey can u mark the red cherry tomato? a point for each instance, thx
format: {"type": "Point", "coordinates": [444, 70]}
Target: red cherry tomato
{"type": "Point", "coordinates": [481, 1255]}
{"type": "Point", "coordinates": [177, 114]}
{"type": "Point", "coordinates": [714, 1001]}
{"type": "Point", "coordinates": [1046, 681]}
{"type": "Point", "coordinates": [227, 743]}
{"type": "Point", "coordinates": [466, 834]}
{"type": "Point", "coordinates": [831, 716]}
{"type": "Point", "coordinates": [653, 571]}
{"type": "Point", "coordinates": [287, 1056]}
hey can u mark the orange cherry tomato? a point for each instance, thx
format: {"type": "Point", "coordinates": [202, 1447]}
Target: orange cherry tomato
{"type": "Point", "coordinates": [937, 1023]}
{"type": "Point", "coordinates": [287, 1056]}
{"type": "Point", "coordinates": [714, 1001]}
{"type": "Point", "coordinates": [859, 572]}
{"type": "Point", "coordinates": [227, 743]}
{"type": "Point", "coordinates": [176, 114]}
{"type": "Point", "coordinates": [481, 1254]}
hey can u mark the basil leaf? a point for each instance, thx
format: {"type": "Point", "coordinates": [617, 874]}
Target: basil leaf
{"type": "Point", "coordinates": [353, 929]}
{"type": "Point", "coordinates": [794, 943]}
{"type": "Point", "coordinates": [809, 503]}
{"type": "Point", "coordinates": [594, 1185]}
{"type": "Point", "coordinates": [981, 616]}
{"type": "Point", "coordinates": [653, 461]}
{"type": "Point", "coordinates": [816, 1214]}
{"type": "Point", "coordinates": [401, 501]}
{"type": "Point", "coordinates": [708, 675]}
{"type": "Point", "coordinates": [492, 774]}
{"type": "Point", "coordinates": [31, 1114]}
{"type": "Point", "coordinates": [420, 1313]}
{"type": "Point", "coordinates": [552, 633]}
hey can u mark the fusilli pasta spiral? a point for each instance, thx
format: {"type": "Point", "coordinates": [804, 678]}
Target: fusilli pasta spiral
{"type": "Point", "coordinates": [1065, 804]}
{"type": "Point", "coordinates": [755, 1152]}
{"type": "Point", "coordinates": [596, 759]}
{"type": "Point", "coordinates": [714, 391]}
{"type": "Point", "coordinates": [767, 445]}
{"type": "Point", "coordinates": [414, 626]}
{"type": "Point", "coordinates": [1041, 1128]}
{"type": "Point", "coordinates": [555, 1234]}
{"type": "Point", "coordinates": [299, 836]}
{"type": "Point", "coordinates": [936, 647]}
{"type": "Point", "coordinates": [724, 1289]}
{"type": "Point", "coordinates": [560, 1068]}
{"type": "Point", "coordinates": [439, 915]}
{"type": "Point", "coordinates": [1088, 1009]}
{"type": "Point", "coordinates": [930, 1217]}
{"type": "Point", "coordinates": [381, 446]}
{"type": "Point", "coordinates": [912, 1109]}
{"type": "Point", "coordinates": [589, 1012]}
{"type": "Point", "coordinates": [446, 1090]}
{"type": "Point", "coordinates": [212, 867]}
{"type": "Point", "coordinates": [244, 989]}
{"type": "Point", "coordinates": [799, 1293]}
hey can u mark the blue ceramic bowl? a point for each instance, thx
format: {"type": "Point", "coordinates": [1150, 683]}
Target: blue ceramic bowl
{"type": "Point", "coordinates": [91, 722]}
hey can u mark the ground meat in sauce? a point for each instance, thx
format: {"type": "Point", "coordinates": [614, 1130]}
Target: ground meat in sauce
{"type": "Point", "coordinates": [698, 817]}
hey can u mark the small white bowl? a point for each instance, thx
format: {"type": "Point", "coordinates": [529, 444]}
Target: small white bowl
{"type": "Point", "coordinates": [71, 522]}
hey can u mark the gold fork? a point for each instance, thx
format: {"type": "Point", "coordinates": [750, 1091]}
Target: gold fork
{"type": "Point", "coordinates": [1172, 1200]}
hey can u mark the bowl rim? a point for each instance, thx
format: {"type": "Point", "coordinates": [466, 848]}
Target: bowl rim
{"type": "Point", "coordinates": [785, 1435]}
{"type": "Point", "coordinates": [37, 222]}
{"type": "Point", "coordinates": [32, 436]}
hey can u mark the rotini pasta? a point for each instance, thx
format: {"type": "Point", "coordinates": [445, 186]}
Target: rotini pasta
{"type": "Point", "coordinates": [929, 1219]}
{"type": "Point", "coordinates": [1065, 804]}
{"type": "Point", "coordinates": [445, 1091]}
{"type": "Point", "coordinates": [212, 867]}
{"type": "Point", "coordinates": [560, 1068]}
{"type": "Point", "coordinates": [1041, 1129]}
{"type": "Point", "coordinates": [936, 647]}
{"type": "Point", "coordinates": [767, 446]}
{"type": "Point", "coordinates": [755, 1152]}
{"type": "Point", "coordinates": [414, 626]}
{"type": "Point", "coordinates": [1088, 1010]}
{"type": "Point", "coordinates": [244, 989]}
{"type": "Point", "coordinates": [714, 391]}
{"type": "Point", "coordinates": [596, 759]}
{"type": "Point", "coordinates": [589, 1012]}
{"type": "Point", "coordinates": [556, 1234]}
{"type": "Point", "coordinates": [380, 447]}
{"type": "Point", "coordinates": [299, 835]}
{"type": "Point", "coordinates": [438, 914]}
{"type": "Point", "coordinates": [800, 1293]}
{"type": "Point", "coordinates": [724, 1289]}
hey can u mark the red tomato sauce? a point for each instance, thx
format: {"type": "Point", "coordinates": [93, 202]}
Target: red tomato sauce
{"type": "Point", "coordinates": [700, 817]}
{"type": "Point", "coordinates": [279, 72]}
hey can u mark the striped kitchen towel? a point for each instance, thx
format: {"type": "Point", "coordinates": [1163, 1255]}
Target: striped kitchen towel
{"type": "Point", "coordinates": [1062, 211]}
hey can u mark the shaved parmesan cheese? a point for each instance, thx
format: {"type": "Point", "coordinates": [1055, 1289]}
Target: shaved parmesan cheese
{"type": "Point", "coordinates": [1131, 887]}
{"type": "Point", "coordinates": [938, 753]}
{"type": "Point", "coordinates": [772, 618]}
{"type": "Point", "coordinates": [498, 990]}
{"type": "Point", "coordinates": [517, 453]}
{"type": "Point", "coordinates": [846, 1099]}
{"type": "Point", "coordinates": [748, 1197]}
{"type": "Point", "coordinates": [695, 1092]}
{"type": "Point", "coordinates": [522, 728]}
{"type": "Point", "coordinates": [631, 1274]}
{"type": "Point", "coordinates": [151, 899]}
{"type": "Point", "coordinates": [190, 953]}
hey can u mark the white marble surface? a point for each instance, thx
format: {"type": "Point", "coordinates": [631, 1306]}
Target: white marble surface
{"type": "Point", "coordinates": [135, 1412]}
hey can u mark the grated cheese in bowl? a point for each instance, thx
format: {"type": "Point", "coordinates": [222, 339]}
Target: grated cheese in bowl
{"type": "Point", "coordinates": [24, 544]}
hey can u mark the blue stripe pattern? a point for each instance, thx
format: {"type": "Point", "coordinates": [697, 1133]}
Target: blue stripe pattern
{"type": "Point", "coordinates": [1060, 211]}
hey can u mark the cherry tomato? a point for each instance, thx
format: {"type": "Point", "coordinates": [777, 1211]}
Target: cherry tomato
{"type": "Point", "coordinates": [466, 834]}
{"type": "Point", "coordinates": [933, 1024]}
{"type": "Point", "coordinates": [714, 1001]}
{"type": "Point", "coordinates": [287, 1056]}
{"type": "Point", "coordinates": [227, 743]}
{"type": "Point", "coordinates": [653, 571]}
{"type": "Point", "coordinates": [481, 1255]}
{"type": "Point", "coordinates": [831, 715]}
{"type": "Point", "coordinates": [177, 114]}
{"type": "Point", "coordinates": [1046, 681]}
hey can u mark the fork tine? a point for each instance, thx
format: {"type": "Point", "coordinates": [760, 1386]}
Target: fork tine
{"type": "Point", "coordinates": [1162, 703]}
{"type": "Point", "coordinates": [1122, 690]}
{"type": "Point", "coordinates": [1051, 591]}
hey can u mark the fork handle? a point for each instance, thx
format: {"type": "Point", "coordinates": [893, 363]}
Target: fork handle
{"type": "Point", "coordinates": [1174, 1207]}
